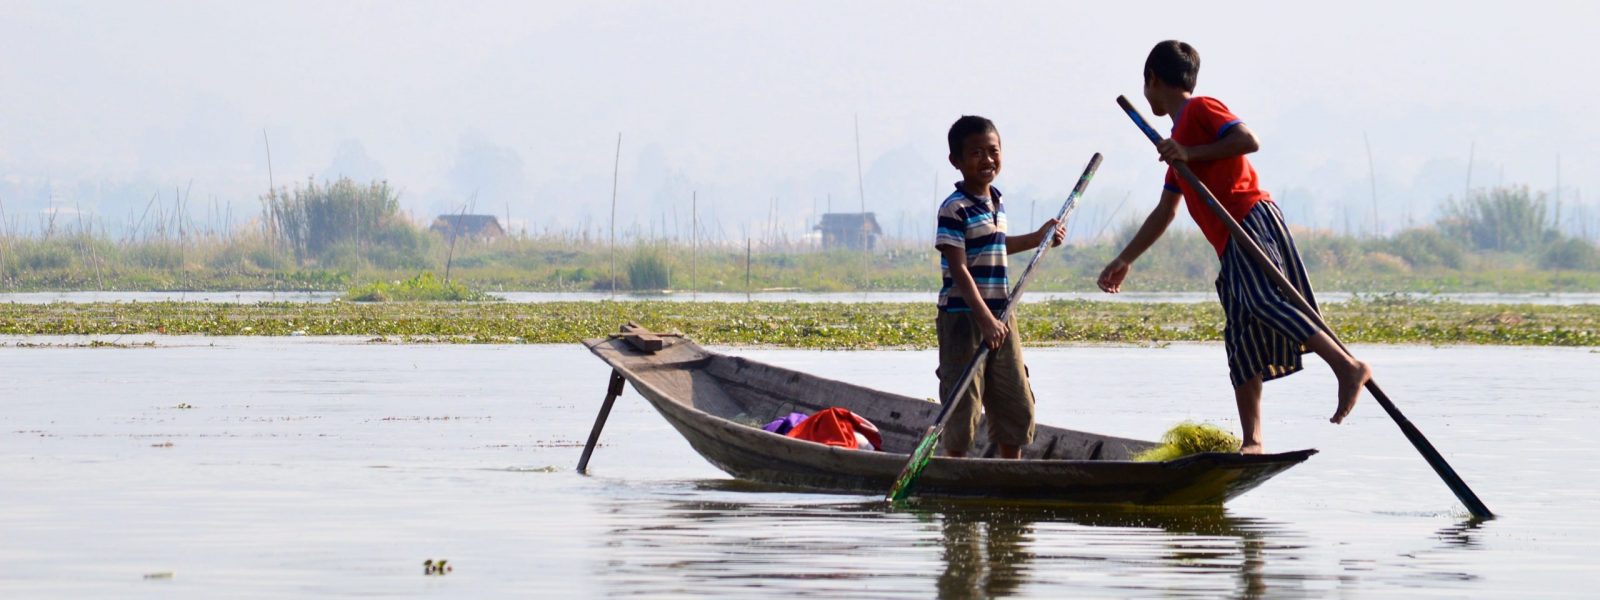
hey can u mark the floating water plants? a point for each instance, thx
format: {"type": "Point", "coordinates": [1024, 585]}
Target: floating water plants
{"type": "Point", "coordinates": [828, 325]}
{"type": "Point", "coordinates": [422, 288]}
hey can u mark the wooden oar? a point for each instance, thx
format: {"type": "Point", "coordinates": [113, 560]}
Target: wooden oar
{"type": "Point", "coordinates": [1448, 474]}
{"type": "Point", "coordinates": [930, 440]}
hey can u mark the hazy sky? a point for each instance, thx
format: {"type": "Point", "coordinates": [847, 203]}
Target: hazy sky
{"type": "Point", "coordinates": [104, 103]}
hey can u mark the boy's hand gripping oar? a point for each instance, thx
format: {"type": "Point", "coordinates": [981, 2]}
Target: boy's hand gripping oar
{"type": "Point", "coordinates": [1463, 493]}
{"type": "Point", "coordinates": [930, 440]}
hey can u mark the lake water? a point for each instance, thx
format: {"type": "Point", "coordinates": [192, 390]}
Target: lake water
{"type": "Point", "coordinates": [1563, 299]}
{"type": "Point", "coordinates": [316, 467]}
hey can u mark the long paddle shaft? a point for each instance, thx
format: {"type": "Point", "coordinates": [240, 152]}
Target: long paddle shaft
{"type": "Point", "coordinates": [924, 449]}
{"type": "Point", "coordinates": [1448, 474]}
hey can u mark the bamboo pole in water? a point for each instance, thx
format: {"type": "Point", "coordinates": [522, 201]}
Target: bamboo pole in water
{"type": "Point", "coordinates": [1558, 193]}
{"type": "Point", "coordinates": [1372, 174]}
{"type": "Point", "coordinates": [615, 168]}
{"type": "Point", "coordinates": [694, 252]}
{"type": "Point", "coordinates": [866, 232]}
{"type": "Point", "coordinates": [5, 237]}
{"type": "Point", "coordinates": [455, 232]}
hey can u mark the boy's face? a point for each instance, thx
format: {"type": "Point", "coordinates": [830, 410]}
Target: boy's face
{"type": "Point", "coordinates": [979, 161]}
{"type": "Point", "coordinates": [1151, 87]}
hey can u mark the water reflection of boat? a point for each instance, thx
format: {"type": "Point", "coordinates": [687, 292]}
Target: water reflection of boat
{"type": "Point", "coordinates": [708, 547]}
{"type": "Point", "coordinates": [988, 550]}
{"type": "Point", "coordinates": [713, 400]}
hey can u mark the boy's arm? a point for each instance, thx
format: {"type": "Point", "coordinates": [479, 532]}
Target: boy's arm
{"type": "Point", "coordinates": [1154, 225]}
{"type": "Point", "coordinates": [1239, 141]}
{"type": "Point", "coordinates": [993, 330]}
{"type": "Point", "coordinates": [1029, 241]}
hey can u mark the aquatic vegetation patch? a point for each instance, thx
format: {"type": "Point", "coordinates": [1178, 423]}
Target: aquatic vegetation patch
{"type": "Point", "coordinates": [88, 344]}
{"type": "Point", "coordinates": [1188, 438]}
{"type": "Point", "coordinates": [425, 287]}
{"type": "Point", "coordinates": [818, 325]}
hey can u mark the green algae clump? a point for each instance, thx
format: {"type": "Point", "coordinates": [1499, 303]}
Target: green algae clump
{"type": "Point", "coordinates": [1190, 438]}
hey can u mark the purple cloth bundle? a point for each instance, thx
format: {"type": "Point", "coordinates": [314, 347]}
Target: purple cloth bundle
{"type": "Point", "coordinates": [783, 425]}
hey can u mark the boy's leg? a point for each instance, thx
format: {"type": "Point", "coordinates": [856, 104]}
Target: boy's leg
{"type": "Point", "coordinates": [1008, 399]}
{"type": "Point", "coordinates": [1246, 363]}
{"type": "Point", "coordinates": [1351, 373]}
{"type": "Point", "coordinates": [958, 342]}
{"type": "Point", "coordinates": [1273, 320]}
{"type": "Point", "coordinates": [1248, 396]}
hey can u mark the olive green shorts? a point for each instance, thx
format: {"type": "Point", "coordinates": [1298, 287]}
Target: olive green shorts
{"type": "Point", "coordinates": [1000, 384]}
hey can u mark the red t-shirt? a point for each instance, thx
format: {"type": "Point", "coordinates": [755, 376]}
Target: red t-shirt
{"type": "Point", "coordinates": [1232, 180]}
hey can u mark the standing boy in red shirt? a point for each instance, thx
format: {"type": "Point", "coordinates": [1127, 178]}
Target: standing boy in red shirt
{"type": "Point", "coordinates": [1265, 334]}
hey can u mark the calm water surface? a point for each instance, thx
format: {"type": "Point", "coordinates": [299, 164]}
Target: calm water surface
{"type": "Point", "coordinates": [330, 467]}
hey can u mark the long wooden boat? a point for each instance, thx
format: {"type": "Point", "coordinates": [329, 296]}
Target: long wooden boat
{"type": "Point", "coordinates": [717, 403]}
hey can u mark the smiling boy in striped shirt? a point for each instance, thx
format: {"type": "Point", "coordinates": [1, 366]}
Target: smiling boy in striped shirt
{"type": "Point", "coordinates": [972, 243]}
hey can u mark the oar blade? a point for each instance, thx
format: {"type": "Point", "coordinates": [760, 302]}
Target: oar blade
{"type": "Point", "coordinates": [919, 461]}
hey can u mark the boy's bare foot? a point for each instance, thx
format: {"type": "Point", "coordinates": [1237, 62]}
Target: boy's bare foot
{"type": "Point", "coordinates": [1252, 449]}
{"type": "Point", "coordinates": [1350, 383]}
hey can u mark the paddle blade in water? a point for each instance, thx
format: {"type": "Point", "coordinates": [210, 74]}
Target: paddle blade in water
{"type": "Point", "coordinates": [919, 461]}
{"type": "Point", "coordinates": [1190, 438]}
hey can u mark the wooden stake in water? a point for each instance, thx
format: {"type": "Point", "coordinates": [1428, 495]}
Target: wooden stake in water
{"type": "Point", "coordinates": [694, 252]}
{"type": "Point", "coordinates": [1372, 174]}
{"type": "Point", "coordinates": [268, 144]}
{"type": "Point", "coordinates": [615, 169]}
{"type": "Point", "coordinates": [861, 187]}
{"type": "Point", "coordinates": [455, 231]}
{"type": "Point", "coordinates": [1558, 193]}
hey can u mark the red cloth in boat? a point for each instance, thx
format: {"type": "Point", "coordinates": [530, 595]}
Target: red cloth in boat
{"type": "Point", "coordinates": [837, 427]}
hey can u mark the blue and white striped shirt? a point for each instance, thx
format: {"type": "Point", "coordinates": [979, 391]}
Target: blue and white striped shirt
{"type": "Point", "coordinates": [974, 225]}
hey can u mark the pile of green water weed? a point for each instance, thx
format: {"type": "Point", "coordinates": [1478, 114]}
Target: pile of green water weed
{"type": "Point", "coordinates": [1188, 438]}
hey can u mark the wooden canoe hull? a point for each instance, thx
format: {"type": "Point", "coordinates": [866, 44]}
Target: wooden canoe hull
{"type": "Point", "coordinates": [716, 403]}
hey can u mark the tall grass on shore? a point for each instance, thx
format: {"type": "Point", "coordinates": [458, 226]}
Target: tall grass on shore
{"type": "Point", "coordinates": [344, 224]}
{"type": "Point", "coordinates": [648, 269]}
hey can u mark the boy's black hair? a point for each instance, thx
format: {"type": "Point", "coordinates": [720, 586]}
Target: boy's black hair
{"type": "Point", "coordinates": [965, 127]}
{"type": "Point", "coordinates": [1174, 63]}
